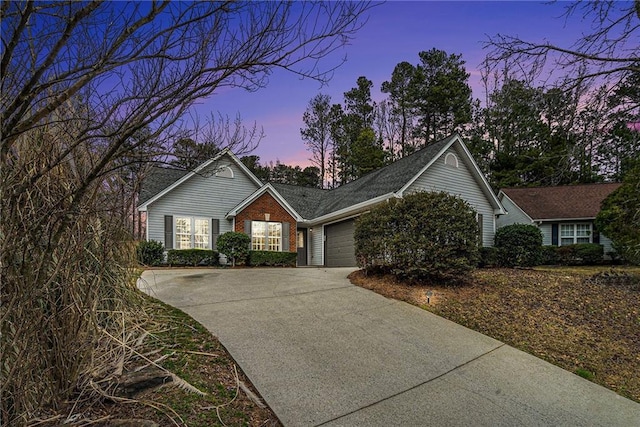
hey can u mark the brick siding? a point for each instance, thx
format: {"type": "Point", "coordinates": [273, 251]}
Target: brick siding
{"type": "Point", "coordinates": [266, 204]}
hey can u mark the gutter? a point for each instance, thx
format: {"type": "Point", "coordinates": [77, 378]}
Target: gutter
{"type": "Point", "coordinates": [350, 210]}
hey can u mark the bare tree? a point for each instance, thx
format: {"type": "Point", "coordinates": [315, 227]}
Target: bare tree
{"type": "Point", "coordinates": [610, 53]}
{"type": "Point", "coordinates": [79, 82]}
{"type": "Point", "coordinates": [317, 131]}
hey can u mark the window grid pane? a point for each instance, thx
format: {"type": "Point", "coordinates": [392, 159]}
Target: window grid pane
{"type": "Point", "coordinates": [258, 231]}
{"type": "Point", "coordinates": [183, 233]}
{"type": "Point", "coordinates": [583, 230]}
{"type": "Point", "coordinates": [566, 230]}
{"type": "Point", "coordinates": [201, 235]}
{"type": "Point", "coordinates": [275, 236]}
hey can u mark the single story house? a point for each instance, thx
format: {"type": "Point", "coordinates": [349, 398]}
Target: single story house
{"type": "Point", "coordinates": [191, 209]}
{"type": "Point", "coordinates": [564, 214]}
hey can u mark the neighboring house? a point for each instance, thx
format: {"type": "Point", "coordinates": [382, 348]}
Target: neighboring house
{"type": "Point", "coordinates": [187, 210]}
{"type": "Point", "coordinates": [564, 214]}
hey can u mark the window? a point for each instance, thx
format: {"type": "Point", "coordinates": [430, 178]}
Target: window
{"type": "Point", "coordinates": [451, 160]}
{"type": "Point", "coordinates": [225, 172]}
{"type": "Point", "coordinates": [192, 233]}
{"type": "Point", "coordinates": [258, 234]}
{"type": "Point", "coordinates": [575, 233]}
{"type": "Point", "coordinates": [266, 236]}
{"type": "Point", "coordinates": [183, 233]}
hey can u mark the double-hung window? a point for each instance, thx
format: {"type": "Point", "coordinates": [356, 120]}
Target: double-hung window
{"type": "Point", "coordinates": [266, 236]}
{"type": "Point", "coordinates": [192, 233]}
{"type": "Point", "coordinates": [575, 233]}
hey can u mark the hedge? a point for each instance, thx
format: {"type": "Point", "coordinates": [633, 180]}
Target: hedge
{"type": "Point", "coordinates": [270, 258]}
{"type": "Point", "coordinates": [150, 252]}
{"type": "Point", "coordinates": [193, 257]}
{"type": "Point", "coordinates": [580, 254]}
{"type": "Point", "coordinates": [421, 236]}
{"type": "Point", "coordinates": [518, 245]}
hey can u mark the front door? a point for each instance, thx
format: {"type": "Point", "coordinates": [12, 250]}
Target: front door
{"type": "Point", "coordinates": [301, 240]}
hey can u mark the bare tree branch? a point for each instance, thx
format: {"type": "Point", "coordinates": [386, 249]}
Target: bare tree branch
{"type": "Point", "coordinates": [609, 54]}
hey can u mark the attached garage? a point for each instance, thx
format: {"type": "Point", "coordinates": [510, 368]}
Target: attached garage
{"type": "Point", "coordinates": [339, 245]}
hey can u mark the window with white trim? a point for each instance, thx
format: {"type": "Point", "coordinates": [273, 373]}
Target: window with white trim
{"type": "Point", "coordinates": [266, 236]}
{"type": "Point", "coordinates": [192, 232]}
{"type": "Point", "coordinates": [575, 233]}
{"type": "Point", "coordinates": [451, 160]}
{"type": "Point", "coordinates": [225, 172]}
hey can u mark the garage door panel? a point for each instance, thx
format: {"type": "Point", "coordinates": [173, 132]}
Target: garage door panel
{"type": "Point", "coordinates": [339, 244]}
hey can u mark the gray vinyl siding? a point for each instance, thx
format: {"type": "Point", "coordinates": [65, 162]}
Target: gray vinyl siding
{"type": "Point", "coordinates": [315, 243]}
{"type": "Point", "coordinates": [606, 242]}
{"type": "Point", "coordinates": [460, 182]}
{"type": "Point", "coordinates": [201, 196]}
{"type": "Point", "coordinates": [514, 215]}
{"type": "Point", "coordinates": [546, 233]}
{"type": "Point", "coordinates": [545, 227]}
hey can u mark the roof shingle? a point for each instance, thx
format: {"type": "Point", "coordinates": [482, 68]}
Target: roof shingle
{"type": "Point", "coordinates": [562, 202]}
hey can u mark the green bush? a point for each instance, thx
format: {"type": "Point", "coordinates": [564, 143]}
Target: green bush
{"type": "Point", "coordinates": [488, 257]}
{"type": "Point", "coordinates": [619, 217]}
{"type": "Point", "coordinates": [589, 253]}
{"type": "Point", "coordinates": [235, 246]}
{"type": "Point", "coordinates": [193, 257]}
{"type": "Point", "coordinates": [270, 258]}
{"type": "Point", "coordinates": [422, 236]}
{"type": "Point", "coordinates": [580, 254]}
{"type": "Point", "coordinates": [549, 255]}
{"type": "Point", "coordinates": [519, 245]}
{"type": "Point", "coordinates": [150, 252]}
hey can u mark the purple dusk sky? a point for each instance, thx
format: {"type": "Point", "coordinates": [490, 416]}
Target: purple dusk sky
{"type": "Point", "coordinates": [396, 31]}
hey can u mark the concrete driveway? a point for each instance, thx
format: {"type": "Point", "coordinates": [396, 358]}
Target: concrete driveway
{"type": "Point", "coordinates": [323, 352]}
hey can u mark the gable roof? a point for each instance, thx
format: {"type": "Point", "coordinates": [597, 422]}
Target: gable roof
{"type": "Point", "coordinates": [388, 181]}
{"type": "Point", "coordinates": [561, 202]}
{"type": "Point", "coordinates": [162, 180]}
{"type": "Point", "coordinates": [318, 204]}
{"type": "Point", "coordinates": [267, 188]}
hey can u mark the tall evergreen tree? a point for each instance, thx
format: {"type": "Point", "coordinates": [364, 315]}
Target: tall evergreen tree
{"type": "Point", "coordinates": [441, 94]}
{"type": "Point", "coordinates": [358, 117]}
{"type": "Point", "coordinates": [366, 153]}
{"type": "Point", "coordinates": [400, 99]}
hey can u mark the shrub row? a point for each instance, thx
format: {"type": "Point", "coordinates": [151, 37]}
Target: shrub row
{"type": "Point", "coordinates": [579, 254]}
{"type": "Point", "coordinates": [151, 253]}
{"type": "Point", "coordinates": [268, 258]}
{"type": "Point", "coordinates": [192, 257]}
{"type": "Point", "coordinates": [520, 245]}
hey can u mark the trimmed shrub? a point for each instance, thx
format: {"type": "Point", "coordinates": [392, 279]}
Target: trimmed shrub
{"type": "Point", "coordinates": [519, 245]}
{"type": "Point", "coordinates": [488, 257]}
{"type": "Point", "coordinates": [549, 255]}
{"type": "Point", "coordinates": [270, 258]}
{"type": "Point", "coordinates": [589, 253]}
{"type": "Point", "coordinates": [193, 257]}
{"type": "Point", "coordinates": [422, 236]}
{"type": "Point", "coordinates": [580, 254]}
{"type": "Point", "coordinates": [150, 252]}
{"type": "Point", "coordinates": [235, 246]}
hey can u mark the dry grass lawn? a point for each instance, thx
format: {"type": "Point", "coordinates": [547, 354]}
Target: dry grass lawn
{"type": "Point", "coordinates": [184, 347]}
{"type": "Point", "coordinates": [583, 319]}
